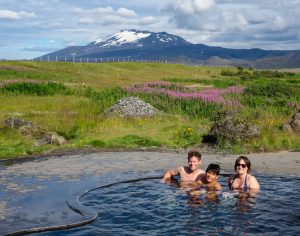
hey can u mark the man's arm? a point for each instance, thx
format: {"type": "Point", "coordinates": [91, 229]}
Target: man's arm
{"type": "Point", "coordinates": [169, 173]}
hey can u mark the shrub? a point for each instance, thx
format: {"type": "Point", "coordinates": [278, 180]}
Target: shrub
{"type": "Point", "coordinates": [218, 83]}
{"type": "Point", "coordinates": [98, 143]}
{"type": "Point", "coordinates": [131, 141]}
{"type": "Point", "coordinates": [233, 129]}
{"type": "Point", "coordinates": [70, 133]}
{"type": "Point", "coordinates": [246, 75]}
{"type": "Point", "coordinates": [187, 137]}
{"type": "Point", "coordinates": [105, 98]}
{"type": "Point", "coordinates": [293, 81]}
{"type": "Point", "coordinates": [227, 73]}
{"type": "Point", "coordinates": [273, 89]}
{"type": "Point", "coordinates": [34, 88]}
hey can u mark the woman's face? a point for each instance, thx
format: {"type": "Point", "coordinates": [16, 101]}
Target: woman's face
{"type": "Point", "coordinates": [241, 167]}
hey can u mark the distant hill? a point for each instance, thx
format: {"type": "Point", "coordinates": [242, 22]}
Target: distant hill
{"type": "Point", "coordinates": [146, 45]}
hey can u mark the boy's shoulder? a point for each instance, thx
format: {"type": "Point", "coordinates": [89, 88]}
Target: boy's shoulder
{"type": "Point", "coordinates": [217, 185]}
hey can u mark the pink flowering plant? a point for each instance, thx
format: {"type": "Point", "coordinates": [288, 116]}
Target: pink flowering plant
{"type": "Point", "coordinates": [176, 98]}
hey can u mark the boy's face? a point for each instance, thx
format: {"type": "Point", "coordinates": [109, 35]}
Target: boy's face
{"type": "Point", "coordinates": [211, 176]}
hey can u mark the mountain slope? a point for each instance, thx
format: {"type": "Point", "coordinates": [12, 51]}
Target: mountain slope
{"type": "Point", "coordinates": [146, 45]}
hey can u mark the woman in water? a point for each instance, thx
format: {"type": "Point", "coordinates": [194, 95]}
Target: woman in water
{"type": "Point", "coordinates": [243, 181]}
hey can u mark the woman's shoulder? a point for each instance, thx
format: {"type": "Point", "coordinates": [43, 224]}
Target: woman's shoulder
{"type": "Point", "coordinates": [253, 182]}
{"type": "Point", "coordinates": [232, 177]}
{"type": "Point", "coordinates": [251, 177]}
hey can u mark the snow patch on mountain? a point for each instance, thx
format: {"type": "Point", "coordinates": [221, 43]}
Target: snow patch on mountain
{"type": "Point", "coordinates": [122, 37]}
{"type": "Point", "coordinates": [133, 39]}
{"type": "Point", "coordinates": [100, 40]}
{"type": "Point", "coordinates": [130, 36]}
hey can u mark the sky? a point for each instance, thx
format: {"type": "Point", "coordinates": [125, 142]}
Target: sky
{"type": "Point", "coordinates": [32, 28]}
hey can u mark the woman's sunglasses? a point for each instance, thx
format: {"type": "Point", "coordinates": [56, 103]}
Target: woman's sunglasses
{"type": "Point", "coordinates": [242, 165]}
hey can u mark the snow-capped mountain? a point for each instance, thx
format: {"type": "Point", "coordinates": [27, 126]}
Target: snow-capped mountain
{"type": "Point", "coordinates": [137, 39]}
{"type": "Point", "coordinates": [146, 45]}
{"type": "Point", "coordinates": [123, 37]}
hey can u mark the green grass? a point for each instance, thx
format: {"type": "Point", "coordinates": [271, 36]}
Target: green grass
{"type": "Point", "coordinates": [39, 89]}
{"type": "Point", "coordinates": [74, 98]}
{"type": "Point", "coordinates": [217, 83]}
{"type": "Point", "coordinates": [99, 75]}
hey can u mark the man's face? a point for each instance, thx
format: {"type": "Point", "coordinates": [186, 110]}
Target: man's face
{"type": "Point", "coordinates": [194, 163]}
{"type": "Point", "coordinates": [211, 176]}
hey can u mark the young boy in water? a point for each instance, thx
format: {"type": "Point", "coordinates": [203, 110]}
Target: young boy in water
{"type": "Point", "coordinates": [209, 181]}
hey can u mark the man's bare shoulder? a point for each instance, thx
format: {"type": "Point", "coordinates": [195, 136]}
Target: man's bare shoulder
{"type": "Point", "coordinates": [201, 174]}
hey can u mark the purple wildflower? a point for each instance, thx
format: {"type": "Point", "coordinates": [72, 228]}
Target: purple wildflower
{"type": "Point", "coordinates": [211, 95]}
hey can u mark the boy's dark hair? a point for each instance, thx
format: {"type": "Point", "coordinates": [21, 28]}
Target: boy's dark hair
{"type": "Point", "coordinates": [215, 168]}
{"type": "Point", "coordinates": [194, 153]}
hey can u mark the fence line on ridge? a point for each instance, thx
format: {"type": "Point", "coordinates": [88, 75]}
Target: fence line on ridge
{"type": "Point", "coordinates": [107, 60]}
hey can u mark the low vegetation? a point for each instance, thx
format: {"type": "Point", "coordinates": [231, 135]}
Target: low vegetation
{"type": "Point", "coordinates": [72, 99]}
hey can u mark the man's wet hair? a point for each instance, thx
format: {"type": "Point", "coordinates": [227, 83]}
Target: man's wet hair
{"type": "Point", "coordinates": [214, 168]}
{"type": "Point", "coordinates": [194, 153]}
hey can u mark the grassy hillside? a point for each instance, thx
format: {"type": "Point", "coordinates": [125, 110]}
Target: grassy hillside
{"type": "Point", "coordinates": [72, 99]}
{"type": "Point", "coordinates": [100, 76]}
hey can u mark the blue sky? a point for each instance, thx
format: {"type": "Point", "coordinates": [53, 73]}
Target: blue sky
{"type": "Point", "coordinates": [31, 28]}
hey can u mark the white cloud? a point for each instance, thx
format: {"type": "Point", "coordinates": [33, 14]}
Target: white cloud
{"type": "Point", "coordinates": [126, 12]}
{"type": "Point", "coordinates": [7, 14]}
{"type": "Point", "coordinates": [86, 21]}
{"type": "Point", "coordinates": [279, 23]}
{"type": "Point", "coordinates": [107, 16]}
{"type": "Point", "coordinates": [236, 23]}
{"type": "Point", "coordinates": [188, 7]}
{"type": "Point", "coordinates": [203, 5]}
{"type": "Point", "coordinates": [101, 10]}
{"type": "Point", "coordinates": [122, 11]}
{"type": "Point", "coordinates": [148, 20]}
{"type": "Point", "coordinates": [233, 22]}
